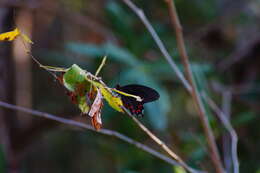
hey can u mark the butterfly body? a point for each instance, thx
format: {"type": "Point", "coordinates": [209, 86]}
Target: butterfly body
{"type": "Point", "coordinates": [147, 94]}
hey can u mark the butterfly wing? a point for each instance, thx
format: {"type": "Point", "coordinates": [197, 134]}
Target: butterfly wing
{"type": "Point", "coordinates": [146, 93]}
{"type": "Point", "coordinates": [135, 107]}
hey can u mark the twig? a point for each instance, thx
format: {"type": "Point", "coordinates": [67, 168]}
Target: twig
{"type": "Point", "coordinates": [101, 65]}
{"type": "Point", "coordinates": [28, 51]}
{"type": "Point", "coordinates": [101, 131]}
{"type": "Point", "coordinates": [194, 92]}
{"type": "Point", "coordinates": [160, 143]}
{"type": "Point", "coordinates": [226, 139]}
{"type": "Point", "coordinates": [158, 41]}
{"type": "Point", "coordinates": [230, 129]}
{"type": "Point", "coordinates": [88, 127]}
{"type": "Point", "coordinates": [190, 86]}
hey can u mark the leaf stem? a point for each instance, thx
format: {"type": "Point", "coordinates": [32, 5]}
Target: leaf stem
{"type": "Point", "coordinates": [101, 65]}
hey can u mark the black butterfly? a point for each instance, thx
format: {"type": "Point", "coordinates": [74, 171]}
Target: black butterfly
{"type": "Point", "coordinates": [147, 95]}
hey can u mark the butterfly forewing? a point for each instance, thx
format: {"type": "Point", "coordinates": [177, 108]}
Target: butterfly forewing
{"type": "Point", "coordinates": [147, 95]}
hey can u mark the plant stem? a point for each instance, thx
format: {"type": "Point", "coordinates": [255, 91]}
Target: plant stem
{"type": "Point", "coordinates": [189, 85]}
{"type": "Point", "coordinates": [88, 127]}
{"type": "Point", "coordinates": [158, 41]}
{"type": "Point", "coordinates": [234, 139]}
{"type": "Point", "coordinates": [160, 143]}
{"type": "Point", "coordinates": [194, 92]}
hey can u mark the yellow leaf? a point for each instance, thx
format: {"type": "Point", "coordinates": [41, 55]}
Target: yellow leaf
{"type": "Point", "coordinates": [82, 104]}
{"type": "Point", "coordinates": [114, 101]}
{"type": "Point", "coordinates": [10, 36]}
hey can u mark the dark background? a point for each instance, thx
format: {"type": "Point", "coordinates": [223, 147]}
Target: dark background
{"type": "Point", "coordinates": [223, 43]}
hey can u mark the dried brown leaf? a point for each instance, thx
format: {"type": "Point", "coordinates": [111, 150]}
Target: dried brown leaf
{"type": "Point", "coordinates": [95, 111]}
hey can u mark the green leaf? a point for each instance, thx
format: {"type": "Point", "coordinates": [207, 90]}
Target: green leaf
{"type": "Point", "coordinates": [75, 75]}
{"type": "Point", "coordinates": [82, 104]}
{"type": "Point", "coordinates": [72, 79]}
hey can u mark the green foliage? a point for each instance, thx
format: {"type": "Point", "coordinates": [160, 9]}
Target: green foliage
{"type": "Point", "coordinates": [82, 104]}
{"type": "Point", "coordinates": [72, 79]}
{"type": "Point", "coordinates": [74, 76]}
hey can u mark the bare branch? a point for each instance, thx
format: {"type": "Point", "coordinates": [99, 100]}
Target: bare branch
{"type": "Point", "coordinates": [190, 84]}
{"type": "Point", "coordinates": [230, 129]}
{"type": "Point", "coordinates": [160, 143]}
{"type": "Point", "coordinates": [194, 92]}
{"type": "Point", "coordinates": [88, 127]}
{"type": "Point", "coordinates": [158, 41]}
{"type": "Point", "coordinates": [106, 132]}
{"type": "Point", "coordinates": [226, 139]}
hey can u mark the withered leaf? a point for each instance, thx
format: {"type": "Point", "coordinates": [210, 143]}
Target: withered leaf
{"type": "Point", "coordinates": [95, 111]}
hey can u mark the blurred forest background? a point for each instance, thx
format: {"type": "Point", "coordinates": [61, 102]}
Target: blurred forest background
{"type": "Point", "coordinates": [223, 42]}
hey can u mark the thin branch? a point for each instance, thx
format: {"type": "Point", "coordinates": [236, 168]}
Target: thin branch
{"type": "Point", "coordinates": [88, 127]}
{"type": "Point", "coordinates": [194, 92]}
{"type": "Point", "coordinates": [158, 41]}
{"type": "Point", "coordinates": [101, 65]}
{"type": "Point", "coordinates": [160, 143]}
{"type": "Point", "coordinates": [230, 129]}
{"type": "Point", "coordinates": [226, 139]}
{"type": "Point", "coordinates": [190, 87]}
{"type": "Point", "coordinates": [101, 131]}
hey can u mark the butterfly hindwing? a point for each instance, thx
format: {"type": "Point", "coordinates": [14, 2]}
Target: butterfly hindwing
{"type": "Point", "coordinates": [135, 107]}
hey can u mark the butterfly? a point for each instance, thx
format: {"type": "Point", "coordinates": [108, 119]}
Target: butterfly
{"type": "Point", "coordinates": [147, 94]}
